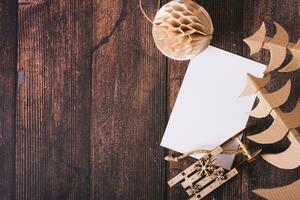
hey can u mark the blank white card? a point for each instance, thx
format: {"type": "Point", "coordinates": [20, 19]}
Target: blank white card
{"type": "Point", "coordinates": [208, 109]}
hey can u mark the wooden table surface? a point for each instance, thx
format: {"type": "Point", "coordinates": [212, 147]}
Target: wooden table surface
{"type": "Point", "coordinates": [85, 97]}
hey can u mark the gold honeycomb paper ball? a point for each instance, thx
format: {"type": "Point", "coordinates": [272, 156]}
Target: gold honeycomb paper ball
{"type": "Point", "coordinates": [182, 29]}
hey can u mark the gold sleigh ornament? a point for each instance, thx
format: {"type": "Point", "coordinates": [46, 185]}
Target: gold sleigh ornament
{"type": "Point", "coordinates": [206, 174]}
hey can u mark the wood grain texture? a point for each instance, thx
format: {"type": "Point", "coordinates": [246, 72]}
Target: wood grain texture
{"type": "Point", "coordinates": [53, 103]}
{"type": "Point", "coordinates": [128, 104]}
{"type": "Point", "coordinates": [176, 71]}
{"type": "Point", "coordinates": [87, 121]}
{"type": "Point", "coordinates": [8, 81]}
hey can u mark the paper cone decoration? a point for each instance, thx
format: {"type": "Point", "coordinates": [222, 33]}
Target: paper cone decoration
{"type": "Point", "coordinates": [254, 84]}
{"type": "Point", "coordinates": [255, 42]}
{"type": "Point", "coordinates": [267, 101]}
{"type": "Point", "coordinates": [294, 64]}
{"type": "Point", "coordinates": [277, 46]}
{"type": "Point", "coordinates": [289, 192]}
{"type": "Point", "coordinates": [283, 123]}
{"type": "Point", "coordinates": [289, 159]}
{"type": "Point", "coordinates": [182, 29]}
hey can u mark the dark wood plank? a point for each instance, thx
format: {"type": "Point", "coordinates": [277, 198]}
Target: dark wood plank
{"type": "Point", "coordinates": [97, 94]}
{"type": "Point", "coordinates": [8, 80]}
{"type": "Point", "coordinates": [176, 72]}
{"type": "Point", "coordinates": [53, 113]}
{"type": "Point", "coordinates": [260, 173]}
{"type": "Point", "coordinates": [129, 104]}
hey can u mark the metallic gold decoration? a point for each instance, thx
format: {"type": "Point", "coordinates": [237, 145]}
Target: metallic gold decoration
{"type": "Point", "coordinates": [207, 174]}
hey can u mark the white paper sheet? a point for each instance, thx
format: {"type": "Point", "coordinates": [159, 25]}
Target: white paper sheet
{"type": "Point", "coordinates": [208, 109]}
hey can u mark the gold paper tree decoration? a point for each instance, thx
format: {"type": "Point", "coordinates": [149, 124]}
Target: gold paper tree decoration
{"type": "Point", "coordinates": [278, 47]}
{"type": "Point", "coordinates": [284, 124]}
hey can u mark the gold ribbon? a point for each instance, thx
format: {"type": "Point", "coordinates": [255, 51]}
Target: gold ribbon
{"type": "Point", "coordinates": [173, 158]}
{"type": "Point", "coordinates": [144, 13]}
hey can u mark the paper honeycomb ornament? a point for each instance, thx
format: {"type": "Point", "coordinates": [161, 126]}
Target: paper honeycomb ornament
{"type": "Point", "coordinates": [182, 29]}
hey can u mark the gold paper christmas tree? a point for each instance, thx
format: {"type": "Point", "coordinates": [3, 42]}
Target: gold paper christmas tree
{"type": "Point", "coordinates": [284, 124]}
